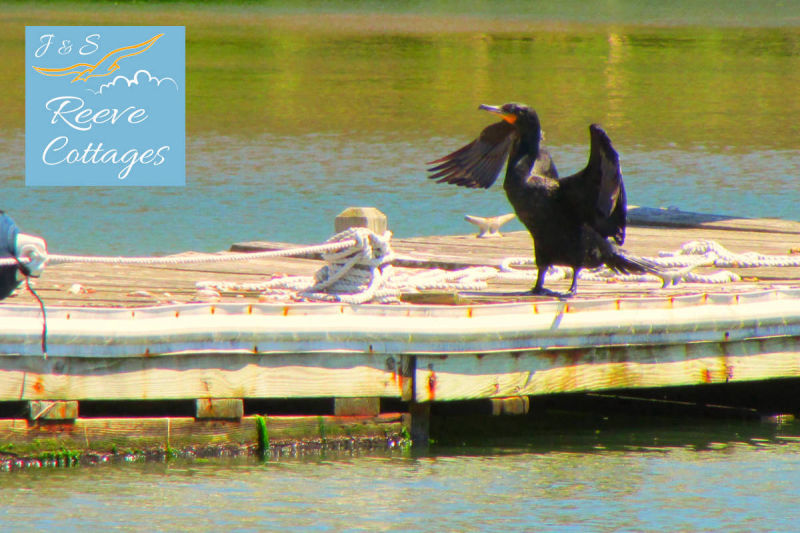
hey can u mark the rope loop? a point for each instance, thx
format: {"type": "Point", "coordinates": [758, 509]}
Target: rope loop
{"type": "Point", "coordinates": [353, 275]}
{"type": "Point", "coordinates": [362, 273]}
{"type": "Point", "coordinates": [358, 269]}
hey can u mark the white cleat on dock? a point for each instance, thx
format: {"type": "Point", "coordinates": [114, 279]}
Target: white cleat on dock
{"type": "Point", "coordinates": [489, 226]}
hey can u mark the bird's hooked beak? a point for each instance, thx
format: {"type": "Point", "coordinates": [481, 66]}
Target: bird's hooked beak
{"type": "Point", "coordinates": [508, 117]}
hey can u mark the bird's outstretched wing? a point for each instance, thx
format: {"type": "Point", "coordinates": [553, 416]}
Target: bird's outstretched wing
{"type": "Point", "coordinates": [597, 192]}
{"type": "Point", "coordinates": [78, 69]}
{"type": "Point", "coordinates": [478, 163]}
{"type": "Point", "coordinates": [105, 66]}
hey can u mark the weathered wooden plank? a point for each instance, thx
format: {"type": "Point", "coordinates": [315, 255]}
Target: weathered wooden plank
{"type": "Point", "coordinates": [461, 377]}
{"type": "Point", "coordinates": [198, 376]}
{"type": "Point", "coordinates": [132, 433]}
{"type": "Point", "coordinates": [676, 218]}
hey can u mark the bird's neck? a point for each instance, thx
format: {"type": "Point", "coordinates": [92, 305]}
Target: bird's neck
{"type": "Point", "coordinates": [524, 153]}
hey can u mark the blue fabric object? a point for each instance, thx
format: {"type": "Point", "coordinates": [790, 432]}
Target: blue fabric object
{"type": "Point", "coordinates": [8, 245]}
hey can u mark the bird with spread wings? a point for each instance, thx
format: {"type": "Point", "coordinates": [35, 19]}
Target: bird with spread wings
{"type": "Point", "coordinates": [108, 64]}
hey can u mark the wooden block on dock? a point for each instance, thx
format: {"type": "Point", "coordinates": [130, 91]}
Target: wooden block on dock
{"type": "Point", "coordinates": [52, 410]}
{"type": "Point", "coordinates": [356, 406]}
{"type": "Point", "coordinates": [361, 217]}
{"type": "Point", "coordinates": [219, 408]}
{"type": "Point", "coordinates": [514, 405]}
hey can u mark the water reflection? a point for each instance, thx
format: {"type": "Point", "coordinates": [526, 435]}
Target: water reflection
{"type": "Point", "coordinates": [292, 117]}
{"type": "Point", "coordinates": [730, 484]}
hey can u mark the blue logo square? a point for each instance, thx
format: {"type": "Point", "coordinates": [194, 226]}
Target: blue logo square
{"type": "Point", "coordinates": [105, 105]}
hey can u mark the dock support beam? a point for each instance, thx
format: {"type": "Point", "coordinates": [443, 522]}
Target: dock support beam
{"type": "Point", "coordinates": [356, 406]}
{"type": "Point", "coordinates": [219, 408]}
{"type": "Point", "coordinates": [420, 424]}
{"type": "Point", "coordinates": [419, 427]}
{"type": "Point", "coordinates": [513, 405]}
{"type": "Point", "coordinates": [52, 410]}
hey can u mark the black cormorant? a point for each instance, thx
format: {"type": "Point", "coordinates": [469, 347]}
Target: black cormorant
{"type": "Point", "coordinates": [570, 219]}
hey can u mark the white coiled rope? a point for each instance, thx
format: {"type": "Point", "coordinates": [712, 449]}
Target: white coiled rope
{"type": "Point", "coordinates": [353, 273]}
{"type": "Point", "coordinates": [358, 269]}
{"type": "Point", "coordinates": [360, 274]}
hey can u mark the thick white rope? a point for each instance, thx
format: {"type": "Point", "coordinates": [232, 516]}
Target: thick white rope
{"type": "Point", "coordinates": [717, 255]}
{"type": "Point", "coordinates": [507, 271]}
{"type": "Point", "coordinates": [690, 255]}
{"type": "Point", "coordinates": [360, 274]}
{"type": "Point", "coordinates": [358, 269]}
{"type": "Point", "coordinates": [355, 274]}
{"type": "Point", "coordinates": [186, 259]}
{"type": "Point", "coordinates": [363, 274]}
{"type": "Point", "coordinates": [386, 286]}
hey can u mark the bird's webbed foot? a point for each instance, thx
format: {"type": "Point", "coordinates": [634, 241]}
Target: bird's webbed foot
{"type": "Point", "coordinates": [541, 291]}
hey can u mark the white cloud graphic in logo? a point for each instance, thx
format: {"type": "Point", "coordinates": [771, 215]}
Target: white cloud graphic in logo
{"type": "Point", "coordinates": [135, 80]}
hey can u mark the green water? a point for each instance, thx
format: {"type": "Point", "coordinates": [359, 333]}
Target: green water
{"type": "Point", "coordinates": [296, 112]}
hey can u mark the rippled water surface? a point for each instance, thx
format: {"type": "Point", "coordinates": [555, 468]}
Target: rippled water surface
{"type": "Point", "coordinates": [294, 113]}
{"type": "Point", "coordinates": [707, 478]}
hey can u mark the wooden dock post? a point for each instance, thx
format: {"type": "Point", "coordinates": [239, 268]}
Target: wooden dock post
{"type": "Point", "coordinates": [420, 412]}
{"type": "Point", "coordinates": [420, 424]}
{"type": "Point", "coordinates": [361, 217]}
{"type": "Point", "coordinates": [375, 221]}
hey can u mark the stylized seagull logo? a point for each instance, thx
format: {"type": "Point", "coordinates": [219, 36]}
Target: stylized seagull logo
{"type": "Point", "coordinates": [109, 62]}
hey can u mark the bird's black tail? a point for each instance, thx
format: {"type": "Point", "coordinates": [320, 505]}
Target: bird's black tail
{"type": "Point", "coordinates": [627, 263]}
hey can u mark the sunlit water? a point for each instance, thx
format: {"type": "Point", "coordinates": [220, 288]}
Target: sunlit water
{"type": "Point", "coordinates": [293, 116]}
{"type": "Point", "coordinates": [692, 483]}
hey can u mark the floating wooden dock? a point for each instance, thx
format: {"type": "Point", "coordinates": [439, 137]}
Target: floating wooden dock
{"type": "Point", "coordinates": [123, 337]}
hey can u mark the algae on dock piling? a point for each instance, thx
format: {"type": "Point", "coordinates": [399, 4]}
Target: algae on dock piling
{"type": "Point", "coordinates": [263, 436]}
